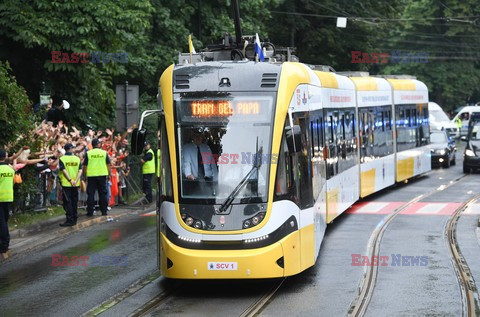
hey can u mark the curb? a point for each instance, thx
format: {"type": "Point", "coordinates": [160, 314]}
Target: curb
{"type": "Point", "coordinates": [26, 246]}
{"type": "Point", "coordinates": [39, 226]}
{"type": "Point", "coordinates": [44, 224]}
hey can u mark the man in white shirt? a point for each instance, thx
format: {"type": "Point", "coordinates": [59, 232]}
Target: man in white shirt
{"type": "Point", "coordinates": [197, 158]}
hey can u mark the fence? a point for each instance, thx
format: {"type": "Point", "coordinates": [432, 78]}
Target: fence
{"type": "Point", "coordinates": [42, 189]}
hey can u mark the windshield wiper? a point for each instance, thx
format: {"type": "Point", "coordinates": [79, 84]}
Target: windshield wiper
{"type": "Point", "coordinates": [257, 163]}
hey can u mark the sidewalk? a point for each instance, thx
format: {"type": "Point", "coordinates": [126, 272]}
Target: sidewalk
{"type": "Point", "coordinates": [22, 240]}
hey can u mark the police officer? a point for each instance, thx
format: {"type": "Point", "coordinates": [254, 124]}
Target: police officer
{"type": "Point", "coordinates": [70, 173]}
{"type": "Point", "coordinates": [148, 169]}
{"type": "Point", "coordinates": [97, 168]}
{"type": "Point", "coordinates": [6, 197]}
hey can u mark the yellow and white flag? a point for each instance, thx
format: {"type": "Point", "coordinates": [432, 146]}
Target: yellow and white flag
{"type": "Point", "coordinates": [190, 45]}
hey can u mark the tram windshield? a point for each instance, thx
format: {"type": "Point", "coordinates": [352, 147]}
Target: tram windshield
{"type": "Point", "coordinates": [219, 140]}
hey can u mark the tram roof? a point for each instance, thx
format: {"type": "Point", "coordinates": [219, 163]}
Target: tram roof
{"type": "Point", "coordinates": [333, 80]}
{"type": "Point", "coordinates": [407, 84]}
{"type": "Point", "coordinates": [371, 84]}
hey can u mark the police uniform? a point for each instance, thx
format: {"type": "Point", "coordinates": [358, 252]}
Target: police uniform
{"type": "Point", "coordinates": [96, 163]}
{"type": "Point", "coordinates": [71, 164]}
{"type": "Point", "coordinates": [6, 197]}
{"type": "Point", "coordinates": [148, 169]}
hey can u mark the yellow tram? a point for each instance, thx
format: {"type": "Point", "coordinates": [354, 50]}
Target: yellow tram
{"type": "Point", "coordinates": [258, 157]}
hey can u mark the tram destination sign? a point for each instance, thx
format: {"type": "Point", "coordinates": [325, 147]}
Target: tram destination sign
{"type": "Point", "coordinates": [237, 109]}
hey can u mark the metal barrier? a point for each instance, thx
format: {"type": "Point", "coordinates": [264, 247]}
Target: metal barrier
{"type": "Point", "coordinates": [40, 190]}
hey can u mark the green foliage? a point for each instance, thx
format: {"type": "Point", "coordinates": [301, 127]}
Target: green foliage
{"type": "Point", "coordinates": [14, 108]}
{"type": "Point", "coordinates": [73, 26]}
{"type": "Point", "coordinates": [152, 32]}
{"type": "Point", "coordinates": [452, 72]}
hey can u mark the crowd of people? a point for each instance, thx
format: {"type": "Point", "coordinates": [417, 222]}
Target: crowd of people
{"type": "Point", "coordinates": [90, 165]}
{"type": "Point", "coordinates": [53, 134]}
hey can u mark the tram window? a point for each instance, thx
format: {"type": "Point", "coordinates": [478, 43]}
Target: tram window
{"type": "Point", "coordinates": [166, 189]}
{"type": "Point", "coordinates": [347, 125]}
{"type": "Point", "coordinates": [383, 120]}
{"type": "Point", "coordinates": [342, 123]}
{"type": "Point", "coordinates": [352, 120]}
{"type": "Point", "coordinates": [408, 117]}
{"type": "Point", "coordinates": [319, 129]}
{"type": "Point", "coordinates": [338, 126]}
{"type": "Point", "coordinates": [329, 129]}
{"type": "Point", "coordinates": [283, 183]}
{"type": "Point", "coordinates": [401, 118]}
{"type": "Point", "coordinates": [312, 139]}
{"type": "Point", "coordinates": [388, 117]}
{"type": "Point", "coordinates": [414, 117]}
{"type": "Point", "coordinates": [379, 121]}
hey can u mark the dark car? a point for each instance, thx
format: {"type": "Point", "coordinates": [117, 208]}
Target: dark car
{"type": "Point", "coordinates": [471, 156]}
{"type": "Point", "coordinates": [443, 149]}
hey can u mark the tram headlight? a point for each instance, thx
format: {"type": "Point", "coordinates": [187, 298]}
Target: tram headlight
{"type": "Point", "coordinates": [198, 224]}
{"type": "Point", "coordinates": [469, 152]}
{"type": "Point", "coordinates": [255, 220]}
{"type": "Point", "coordinates": [189, 221]}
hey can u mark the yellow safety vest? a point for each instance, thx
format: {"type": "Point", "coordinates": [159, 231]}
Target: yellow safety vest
{"type": "Point", "coordinates": [72, 165]}
{"type": "Point", "coordinates": [97, 163]}
{"type": "Point", "coordinates": [6, 184]}
{"type": "Point", "coordinates": [149, 166]}
{"type": "Point", "coordinates": [458, 122]}
{"type": "Point", "coordinates": [159, 162]}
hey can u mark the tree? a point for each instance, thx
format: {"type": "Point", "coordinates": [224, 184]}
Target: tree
{"type": "Point", "coordinates": [446, 31]}
{"type": "Point", "coordinates": [15, 108]}
{"type": "Point", "coordinates": [31, 30]}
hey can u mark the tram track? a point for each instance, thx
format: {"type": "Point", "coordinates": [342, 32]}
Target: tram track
{"type": "Point", "coordinates": [253, 310]}
{"type": "Point", "coordinates": [468, 287]}
{"type": "Point", "coordinates": [154, 303]}
{"type": "Point", "coordinates": [367, 285]}
{"type": "Point", "coordinates": [259, 305]}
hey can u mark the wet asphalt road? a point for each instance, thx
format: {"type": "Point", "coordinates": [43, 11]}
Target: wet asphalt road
{"type": "Point", "coordinates": [31, 286]}
{"type": "Point", "coordinates": [328, 288]}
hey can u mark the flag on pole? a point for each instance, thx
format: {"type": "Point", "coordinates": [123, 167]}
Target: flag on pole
{"type": "Point", "coordinates": [191, 49]}
{"type": "Point", "coordinates": [258, 48]}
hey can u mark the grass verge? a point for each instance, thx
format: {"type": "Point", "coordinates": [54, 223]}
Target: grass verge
{"type": "Point", "coordinates": [22, 220]}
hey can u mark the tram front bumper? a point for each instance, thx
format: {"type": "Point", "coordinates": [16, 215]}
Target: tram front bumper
{"type": "Point", "coordinates": [265, 262]}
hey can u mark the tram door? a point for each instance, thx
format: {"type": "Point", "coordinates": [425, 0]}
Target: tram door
{"type": "Point", "coordinates": [302, 164]}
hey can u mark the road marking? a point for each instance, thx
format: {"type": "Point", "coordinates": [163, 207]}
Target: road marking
{"type": "Point", "coordinates": [425, 208]}
{"type": "Point", "coordinates": [148, 214]}
{"type": "Point", "coordinates": [473, 209]}
{"type": "Point", "coordinates": [418, 208]}
{"type": "Point", "coordinates": [372, 207]}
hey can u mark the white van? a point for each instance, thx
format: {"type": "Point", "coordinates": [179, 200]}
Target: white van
{"type": "Point", "coordinates": [464, 115]}
{"type": "Point", "coordinates": [440, 121]}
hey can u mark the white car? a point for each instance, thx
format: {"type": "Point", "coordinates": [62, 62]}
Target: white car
{"type": "Point", "coordinates": [440, 121]}
{"type": "Point", "coordinates": [465, 115]}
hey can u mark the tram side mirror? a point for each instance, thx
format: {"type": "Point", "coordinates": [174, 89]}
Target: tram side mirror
{"type": "Point", "coordinates": [138, 141]}
{"type": "Point", "coordinates": [294, 139]}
